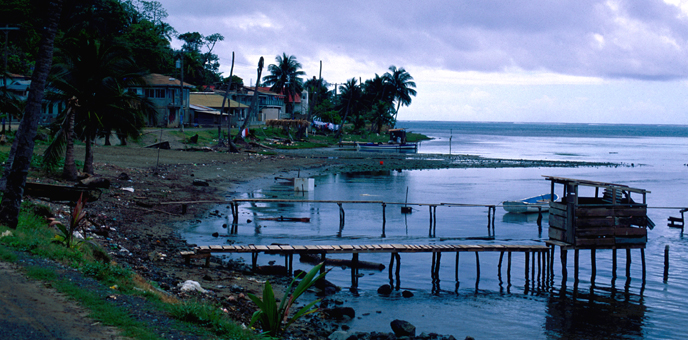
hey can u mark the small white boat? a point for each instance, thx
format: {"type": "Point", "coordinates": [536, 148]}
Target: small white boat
{"type": "Point", "coordinates": [530, 204]}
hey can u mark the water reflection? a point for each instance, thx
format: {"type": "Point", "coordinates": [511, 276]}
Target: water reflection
{"type": "Point", "coordinates": [597, 314]}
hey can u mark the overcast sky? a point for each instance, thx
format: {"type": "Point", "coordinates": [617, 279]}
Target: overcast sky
{"type": "Point", "coordinates": [616, 61]}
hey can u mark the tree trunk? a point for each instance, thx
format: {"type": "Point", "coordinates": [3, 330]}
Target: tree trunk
{"type": "Point", "coordinates": [254, 102]}
{"type": "Point", "coordinates": [88, 160]}
{"type": "Point", "coordinates": [230, 144]}
{"type": "Point", "coordinates": [107, 138]}
{"type": "Point", "coordinates": [69, 170]}
{"type": "Point", "coordinates": [16, 179]}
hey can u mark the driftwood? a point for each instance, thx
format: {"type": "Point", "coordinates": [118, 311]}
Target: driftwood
{"type": "Point", "coordinates": [162, 145]}
{"type": "Point", "coordinates": [309, 258]}
{"type": "Point", "coordinates": [61, 193]}
{"type": "Point", "coordinates": [286, 219]}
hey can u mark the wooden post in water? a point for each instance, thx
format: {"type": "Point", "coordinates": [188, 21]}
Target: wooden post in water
{"type": "Point", "coordinates": [642, 259]}
{"type": "Point", "coordinates": [613, 264]}
{"type": "Point", "coordinates": [508, 269]}
{"type": "Point", "coordinates": [384, 219]}
{"type": "Point", "coordinates": [628, 263]}
{"type": "Point", "coordinates": [564, 257]}
{"type": "Point", "coordinates": [477, 265]}
{"type": "Point", "coordinates": [354, 270]}
{"type": "Point", "coordinates": [527, 264]}
{"type": "Point", "coordinates": [666, 263]}
{"type": "Point", "coordinates": [593, 265]}
{"type": "Point", "coordinates": [430, 230]}
{"type": "Point", "coordinates": [434, 222]}
{"type": "Point", "coordinates": [456, 267]}
{"type": "Point", "coordinates": [575, 265]}
{"type": "Point", "coordinates": [532, 269]}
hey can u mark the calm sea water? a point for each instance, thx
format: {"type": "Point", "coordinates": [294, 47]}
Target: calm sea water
{"type": "Point", "coordinates": [494, 307]}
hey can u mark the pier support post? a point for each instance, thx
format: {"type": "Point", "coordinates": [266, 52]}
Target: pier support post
{"type": "Point", "coordinates": [614, 261]}
{"type": "Point", "coordinates": [456, 267]}
{"type": "Point", "coordinates": [666, 263]}
{"type": "Point", "coordinates": [477, 270]}
{"type": "Point", "coordinates": [354, 270]}
{"type": "Point", "coordinates": [508, 269]}
{"type": "Point", "coordinates": [527, 266]}
{"type": "Point", "coordinates": [434, 221]}
{"type": "Point", "coordinates": [384, 219]}
{"type": "Point", "coordinates": [642, 259]}
{"type": "Point", "coordinates": [430, 213]}
{"type": "Point", "coordinates": [322, 259]}
{"type": "Point", "coordinates": [254, 260]}
{"type": "Point", "coordinates": [564, 257]}
{"type": "Point", "coordinates": [576, 253]}
{"type": "Point", "coordinates": [593, 265]}
{"type": "Point", "coordinates": [341, 213]}
{"type": "Point", "coordinates": [628, 263]}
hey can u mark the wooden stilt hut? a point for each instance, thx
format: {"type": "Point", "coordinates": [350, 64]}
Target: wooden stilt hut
{"type": "Point", "coordinates": [611, 218]}
{"type": "Point", "coordinates": [608, 218]}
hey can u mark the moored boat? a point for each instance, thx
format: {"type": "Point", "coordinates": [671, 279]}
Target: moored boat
{"type": "Point", "coordinates": [397, 143]}
{"type": "Point", "coordinates": [405, 147]}
{"type": "Point", "coordinates": [530, 204]}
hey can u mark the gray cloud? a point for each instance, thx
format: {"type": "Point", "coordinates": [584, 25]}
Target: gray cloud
{"type": "Point", "coordinates": [640, 39]}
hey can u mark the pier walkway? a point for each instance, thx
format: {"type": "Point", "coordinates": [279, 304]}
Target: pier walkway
{"type": "Point", "coordinates": [544, 267]}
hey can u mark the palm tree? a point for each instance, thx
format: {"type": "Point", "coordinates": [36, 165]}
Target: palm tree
{"type": "Point", "coordinates": [317, 93]}
{"type": "Point", "coordinates": [380, 114]}
{"type": "Point", "coordinates": [403, 86]}
{"type": "Point", "coordinates": [351, 103]}
{"type": "Point", "coordinates": [97, 75]}
{"type": "Point", "coordinates": [285, 79]}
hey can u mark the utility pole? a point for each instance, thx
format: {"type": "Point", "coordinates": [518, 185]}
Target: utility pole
{"type": "Point", "coordinates": [181, 93]}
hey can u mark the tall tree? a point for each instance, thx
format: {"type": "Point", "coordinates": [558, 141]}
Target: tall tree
{"type": "Point", "coordinates": [351, 104]}
{"type": "Point", "coordinates": [23, 143]}
{"type": "Point", "coordinates": [403, 86]}
{"type": "Point", "coordinates": [317, 93]}
{"type": "Point", "coordinates": [97, 75]}
{"type": "Point", "coordinates": [285, 78]}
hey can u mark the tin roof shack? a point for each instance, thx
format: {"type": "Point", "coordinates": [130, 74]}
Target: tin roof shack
{"type": "Point", "coordinates": [609, 219]}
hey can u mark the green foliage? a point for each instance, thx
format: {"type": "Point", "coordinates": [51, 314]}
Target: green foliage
{"type": "Point", "coordinates": [66, 235]}
{"type": "Point", "coordinates": [108, 273]}
{"type": "Point", "coordinates": [327, 112]}
{"type": "Point", "coordinates": [7, 255]}
{"type": "Point", "coordinates": [211, 317]}
{"type": "Point", "coordinates": [275, 319]}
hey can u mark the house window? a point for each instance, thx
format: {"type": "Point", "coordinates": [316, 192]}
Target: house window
{"type": "Point", "coordinates": [154, 93]}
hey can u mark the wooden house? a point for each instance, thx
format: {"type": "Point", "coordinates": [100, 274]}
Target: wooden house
{"type": "Point", "coordinates": [598, 215]}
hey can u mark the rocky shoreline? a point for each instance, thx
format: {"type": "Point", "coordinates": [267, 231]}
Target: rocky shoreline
{"type": "Point", "coordinates": [136, 223]}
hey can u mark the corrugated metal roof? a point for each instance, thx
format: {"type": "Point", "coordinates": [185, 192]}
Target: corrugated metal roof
{"type": "Point", "coordinates": [205, 109]}
{"type": "Point", "coordinates": [155, 79]}
{"type": "Point", "coordinates": [213, 100]}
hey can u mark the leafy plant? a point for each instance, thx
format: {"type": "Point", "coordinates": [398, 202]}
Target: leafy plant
{"type": "Point", "coordinates": [274, 319]}
{"type": "Point", "coordinates": [66, 235]}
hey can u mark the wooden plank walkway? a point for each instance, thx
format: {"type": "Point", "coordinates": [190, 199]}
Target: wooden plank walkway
{"type": "Point", "coordinates": [369, 248]}
{"type": "Point", "coordinates": [541, 252]}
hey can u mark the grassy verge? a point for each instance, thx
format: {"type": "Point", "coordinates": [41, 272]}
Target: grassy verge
{"type": "Point", "coordinates": [34, 236]}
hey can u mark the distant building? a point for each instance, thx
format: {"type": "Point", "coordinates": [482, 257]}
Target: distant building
{"type": "Point", "coordinates": [207, 108]}
{"type": "Point", "coordinates": [171, 103]}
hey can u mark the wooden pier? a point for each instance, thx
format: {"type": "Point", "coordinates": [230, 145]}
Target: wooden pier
{"type": "Point", "coordinates": [544, 267]}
